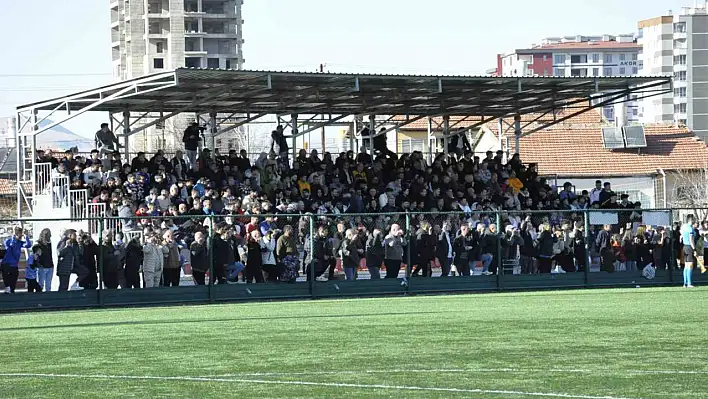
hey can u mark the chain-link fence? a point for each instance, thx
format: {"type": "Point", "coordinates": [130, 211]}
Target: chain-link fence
{"type": "Point", "coordinates": [286, 255]}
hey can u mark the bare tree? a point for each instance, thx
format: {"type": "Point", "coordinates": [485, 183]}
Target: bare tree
{"type": "Point", "coordinates": [690, 191]}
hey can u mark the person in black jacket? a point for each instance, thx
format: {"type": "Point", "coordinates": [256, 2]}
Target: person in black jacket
{"type": "Point", "coordinates": [318, 260]}
{"type": "Point", "coordinates": [90, 255]}
{"type": "Point", "coordinates": [45, 261]}
{"type": "Point", "coordinates": [579, 251]}
{"type": "Point", "coordinates": [110, 261]}
{"type": "Point", "coordinates": [223, 254]}
{"type": "Point", "coordinates": [527, 251]}
{"type": "Point", "coordinates": [463, 246]}
{"type": "Point", "coordinates": [489, 244]}
{"type": "Point", "coordinates": [607, 255]}
{"type": "Point", "coordinates": [425, 247]}
{"type": "Point", "coordinates": [375, 254]}
{"type": "Point", "coordinates": [254, 261]}
{"type": "Point", "coordinates": [545, 249]}
{"type": "Point", "coordinates": [133, 263]}
{"type": "Point", "coordinates": [191, 139]}
{"type": "Point", "coordinates": [199, 257]}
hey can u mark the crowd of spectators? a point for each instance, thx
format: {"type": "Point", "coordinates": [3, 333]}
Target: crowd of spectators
{"type": "Point", "coordinates": [458, 213]}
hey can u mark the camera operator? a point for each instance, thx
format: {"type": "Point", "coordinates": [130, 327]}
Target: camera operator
{"type": "Point", "coordinates": [191, 139]}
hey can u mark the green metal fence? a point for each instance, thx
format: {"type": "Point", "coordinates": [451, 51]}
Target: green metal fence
{"type": "Point", "coordinates": [577, 265]}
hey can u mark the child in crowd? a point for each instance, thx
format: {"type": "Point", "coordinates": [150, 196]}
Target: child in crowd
{"type": "Point", "coordinates": [31, 269]}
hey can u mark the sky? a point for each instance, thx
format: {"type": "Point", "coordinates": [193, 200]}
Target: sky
{"type": "Point", "coordinates": [50, 48]}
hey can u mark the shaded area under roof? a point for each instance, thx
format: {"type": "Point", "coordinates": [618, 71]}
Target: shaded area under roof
{"type": "Point", "coordinates": [214, 90]}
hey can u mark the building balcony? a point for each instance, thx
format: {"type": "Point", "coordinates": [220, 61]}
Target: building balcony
{"type": "Point", "coordinates": [161, 35]}
{"type": "Point", "coordinates": [195, 53]}
{"type": "Point", "coordinates": [114, 4]}
{"type": "Point", "coordinates": [680, 100]}
{"type": "Point", "coordinates": [680, 35]}
{"type": "Point", "coordinates": [680, 67]}
{"type": "Point", "coordinates": [194, 13]}
{"type": "Point", "coordinates": [223, 35]}
{"type": "Point", "coordinates": [192, 33]}
{"type": "Point", "coordinates": [680, 51]}
{"type": "Point", "coordinates": [158, 15]}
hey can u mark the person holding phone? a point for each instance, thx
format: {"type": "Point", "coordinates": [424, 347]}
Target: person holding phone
{"type": "Point", "coordinates": [11, 260]}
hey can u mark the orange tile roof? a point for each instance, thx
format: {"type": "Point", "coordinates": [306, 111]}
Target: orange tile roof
{"type": "Point", "coordinates": [578, 152]}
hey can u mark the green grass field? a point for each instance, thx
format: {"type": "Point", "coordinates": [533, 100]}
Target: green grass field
{"type": "Point", "coordinates": [639, 343]}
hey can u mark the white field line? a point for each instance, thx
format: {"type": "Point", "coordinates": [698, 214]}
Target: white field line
{"type": "Point", "coordinates": [462, 370]}
{"type": "Point", "coordinates": [308, 383]}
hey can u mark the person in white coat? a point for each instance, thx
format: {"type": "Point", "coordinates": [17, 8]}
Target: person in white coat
{"type": "Point", "coordinates": [153, 261]}
{"type": "Point", "coordinates": [268, 245]}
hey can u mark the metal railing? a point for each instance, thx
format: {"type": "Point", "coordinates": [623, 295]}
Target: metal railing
{"type": "Point", "coordinates": [513, 250]}
{"type": "Point", "coordinates": [42, 178]}
{"type": "Point", "coordinates": [77, 203]}
{"type": "Point", "coordinates": [60, 191]}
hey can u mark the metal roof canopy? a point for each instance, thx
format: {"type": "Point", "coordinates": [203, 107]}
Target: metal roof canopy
{"type": "Point", "coordinates": [259, 93]}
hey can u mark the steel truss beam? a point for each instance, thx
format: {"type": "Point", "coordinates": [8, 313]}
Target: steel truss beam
{"type": "Point", "coordinates": [105, 94]}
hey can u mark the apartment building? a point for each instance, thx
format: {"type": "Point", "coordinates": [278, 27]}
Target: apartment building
{"type": "Point", "coordinates": [150, 36]}
{"type": "Point", "coordinates": [678, 44]}
{"type": "Point", "coordinates": [154, 35]}
{"type": "Point", "coordinates": [578, 56]}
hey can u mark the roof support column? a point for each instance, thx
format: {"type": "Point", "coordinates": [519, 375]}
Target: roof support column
{"type": "Point", "coordinates": [293, 125]}
{"type": "Point", "coordinates": [372, 132]}
{"type": "Point", "coordinates": [500, 135]}
{"type": "Point", "coordinates": [426, 143]}
{"type": "Point", "coordinates": [351, 138]}
{"type": "Point", "coordinates": [126, 134]}
{"type": "Point", "coordinates": [517, 134]}
{"type": "Point", "coordinates": [446, 133]}
{"type": "Point", "coordinates": [212, 132]}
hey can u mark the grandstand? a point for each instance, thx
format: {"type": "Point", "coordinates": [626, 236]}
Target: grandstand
{"type": "Point", "coordinates": [211, 196]}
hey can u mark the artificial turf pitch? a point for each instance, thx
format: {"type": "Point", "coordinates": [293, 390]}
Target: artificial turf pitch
{"type": "Point", "coordinates": [638, 343]}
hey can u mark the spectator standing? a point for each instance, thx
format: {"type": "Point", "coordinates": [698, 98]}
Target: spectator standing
{"type": "Point", "coordinates": [111, 260]}
{"type": "Point", "coordinates": [133, 263]}
{"type": "Point", "coordinates": [171, 270]}
{"type": "Point", "coordinates": [11, 260]}
{"type": "Point", "coordinates": [393, 254]}
{"type": "Point", "coordinates": [191, 139]}
{"type": "Point", "coordinates": [546, 242]}
{"type": "Point", "coordinates": [375, 254]}
{"type": "Point", "coordinates": [287, 253]}
{"type": "Point", "coordinates": [254, 262]}
{"type": "Point", "coordinates": [31, 269]}
{"type": "Point", "coordinates": [70, 260]}
{"type": "Point", "coordinates": [45, 263]}
{"type": "Point", "coordinates": [89, 260]}
{"type": "Point", "coordinates": [199, 258]}
{"type": "Point", "coordinates": [153, 262]}
{"type": "Point", "coordinates": [443, 249]}
{"type": "Point", "coordinates": [106, 141]}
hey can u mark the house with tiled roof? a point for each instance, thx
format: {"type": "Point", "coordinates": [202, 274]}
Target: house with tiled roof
{"type": "Point", "coordinates": [575, 151]}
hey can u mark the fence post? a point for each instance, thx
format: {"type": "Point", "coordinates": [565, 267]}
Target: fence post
{"type": "Point", "coordinates": [672, 256]}
{"type": "Point", "coordinates": [310, 269]}
{"type": "Point", "coordinates": [100, 262]}
{"type": "Point", "coordinates": [409, 267]}
{"type": "Point", "coordinates": [588, 256]}
{"type": "Point", "coordinates": [210, 218]}
{"type": "Point", "coordinates": [499, 261]}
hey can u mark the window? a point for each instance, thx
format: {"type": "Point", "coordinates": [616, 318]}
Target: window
{"type": "Point", "coordinates": [545, 58]}
{"type": "Point", "coordinates": [596, 58]}
{"type": "Point", "coordinates": [213, 63]}
{"type": "Point", "coordinates": [623, 70]}
{"type": "Point", "coordinates": [607, 72]}
{"type": "Point", "coordinates": [680, 76]}
{"type": "Point", "coordinates": [680, 108]}
{"type": "Point", "coordinates": [559, 59]}
{"type": "Point", "coordinates": [623, 57]}
{"type": "Point", "coordinates": [159, 47]}
{"type": "Point", "coordinates": [607, 58]}
{"type": "Point", "coordinates": [680, 60]}
{"type": "Point", "coordinates": [559, 72]}
{"type": "Point", "coordinates": [596, 72]}
{"type": "Point", "coordinates": [218, 142]}
{"type": "Point", "coordinates": [635, 71]}
{"type": "Point", "coordinates": [228, 64]}
{"type": "Point", "coordinates": [232, 144]}
{"type": "Point", "coordinates": [680, 92]}
{"type": "Point", "coordinates": [635, 111]}
{"type": "Point", "coordinates": [578, 59]}
{"type": "Point", "coordinates": [193, 62]}
{"type": "Point", "coordinates": [411, 145]}
{"type": "Point", "coordinates": [158, 63]}
{"type": "Point", "coordinates": [155, 28]}
{"type": "Point", "coordinates": [640, 33]}
{"type": "Point", "coordinates": [680, 27]}
{"type": "Point", "coordinates": [635, 57]}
